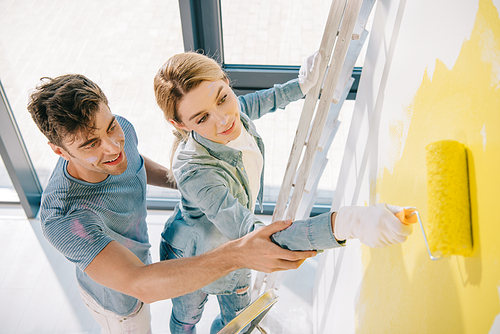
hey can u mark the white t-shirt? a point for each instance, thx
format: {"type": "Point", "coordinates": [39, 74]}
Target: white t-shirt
{"type": "Point", "coordinates": [252, 160]}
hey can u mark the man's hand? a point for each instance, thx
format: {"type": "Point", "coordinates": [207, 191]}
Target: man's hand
{"type": "Point", "coordinates": [258, 252]}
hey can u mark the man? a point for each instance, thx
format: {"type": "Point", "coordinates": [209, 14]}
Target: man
{"type": "Point", "coordinates": [94, 209]}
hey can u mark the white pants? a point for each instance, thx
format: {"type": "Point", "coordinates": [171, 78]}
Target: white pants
{"type": "Point", "coordinates": [138, 322]}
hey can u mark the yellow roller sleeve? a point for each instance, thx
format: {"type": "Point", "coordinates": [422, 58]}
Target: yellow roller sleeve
{"type": "Point", "coordinates": [449, 220]}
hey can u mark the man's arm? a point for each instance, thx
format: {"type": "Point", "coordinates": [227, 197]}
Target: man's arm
{"type": "Point", "coordinates": [158, 175]}
{"type": "Point", "coordinates": [118, 268]}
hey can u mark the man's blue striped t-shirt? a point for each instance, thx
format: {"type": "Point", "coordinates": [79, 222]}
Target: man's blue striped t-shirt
{"type": "Point", "coordinates": [79, 219]}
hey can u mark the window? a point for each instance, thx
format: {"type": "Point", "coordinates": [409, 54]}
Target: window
{"type": "Point", "coordinates": [121, 48]}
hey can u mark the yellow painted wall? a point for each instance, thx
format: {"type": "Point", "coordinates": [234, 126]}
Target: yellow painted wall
{"type": "Point", "coordinates": [403, 291]}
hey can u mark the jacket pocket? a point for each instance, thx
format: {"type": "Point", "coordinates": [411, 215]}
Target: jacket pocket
{"type": "Point", "coordinates": [167, 252]}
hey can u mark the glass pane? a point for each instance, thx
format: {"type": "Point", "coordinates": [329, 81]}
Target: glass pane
{"type": "Point", "coordinates": [272, 32]}
{"type": "Point", "coordinates": [118, 44]}
{"type": "Point", "coordinates": [275, 32]}
{"type": "Point", "coordinates": [278, 132]}
{"type": "Point", "coordinates": [7, 192]}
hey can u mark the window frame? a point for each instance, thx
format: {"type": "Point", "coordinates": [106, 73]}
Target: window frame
{"type": "Point", "coordinates": [17, 160]}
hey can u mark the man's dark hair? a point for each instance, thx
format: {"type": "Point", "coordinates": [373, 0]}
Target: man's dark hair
{"type": "Point", "coordinates": [65, 106]}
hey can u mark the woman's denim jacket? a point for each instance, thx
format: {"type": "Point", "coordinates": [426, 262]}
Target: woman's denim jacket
{"type": "Point", "coordinates": [216, 194]}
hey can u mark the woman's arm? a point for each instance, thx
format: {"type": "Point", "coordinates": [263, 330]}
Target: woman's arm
{"type": "Point", "coordinates": [374, 225]}
{"type": "Point", "coordinates": [257, 104]}
{"type": "Point", "coordinates": [261, 102]}
{"type": "Point", "coordinates": [315, 233]}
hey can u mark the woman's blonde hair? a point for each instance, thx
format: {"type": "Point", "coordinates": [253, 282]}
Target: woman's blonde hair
{"type": "Point", "coordinates": [177, 77]}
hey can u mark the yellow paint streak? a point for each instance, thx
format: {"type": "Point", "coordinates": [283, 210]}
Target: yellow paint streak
{"type": "Point", "coordinates": [396, 128]}
{"type": "Point", "coordinates": [403, 291]}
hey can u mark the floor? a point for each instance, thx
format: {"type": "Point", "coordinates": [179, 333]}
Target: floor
{"type": "Point", "coordinates": [39, 293]}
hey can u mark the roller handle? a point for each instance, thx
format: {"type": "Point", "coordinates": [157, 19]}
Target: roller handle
{"type": "Point", "coordinates": [408, 217]}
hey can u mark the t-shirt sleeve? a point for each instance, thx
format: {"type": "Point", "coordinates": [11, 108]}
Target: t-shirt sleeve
{"type": "Point", "coordinates": [78, 236]}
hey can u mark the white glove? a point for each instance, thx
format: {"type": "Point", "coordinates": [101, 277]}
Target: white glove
{"type": "Point", "coordinates": [309, 72]}
{"type": "Point", "coordinates": [375, 225]}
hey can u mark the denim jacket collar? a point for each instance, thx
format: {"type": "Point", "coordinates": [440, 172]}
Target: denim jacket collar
{"type": "Point", "coordinates": [219, 151]}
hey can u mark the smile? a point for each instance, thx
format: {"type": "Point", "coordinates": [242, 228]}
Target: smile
{"type": "Point", "coordinates": [228, 131]}
{"type": "Point", "coordinates": [115, 160]}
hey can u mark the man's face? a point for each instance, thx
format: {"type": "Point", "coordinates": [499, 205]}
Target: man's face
{"type": "Point", "coordinates": [93, 156]}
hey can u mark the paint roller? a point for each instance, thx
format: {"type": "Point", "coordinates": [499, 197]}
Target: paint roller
{"type": "Point", "coordinates": [449, 230]}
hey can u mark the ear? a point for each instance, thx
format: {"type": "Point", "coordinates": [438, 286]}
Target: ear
{"type": "Point", "coordinates": [59, 151]}
{"type": "Point", "coordinates": [178, 125]}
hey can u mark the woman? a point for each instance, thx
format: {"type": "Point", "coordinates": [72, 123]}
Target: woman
{"type": "Point", "coordinates": [218, 162]}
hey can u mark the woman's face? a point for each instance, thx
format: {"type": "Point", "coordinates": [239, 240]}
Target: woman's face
{"type": "Point", "coordinates": [211, 110]}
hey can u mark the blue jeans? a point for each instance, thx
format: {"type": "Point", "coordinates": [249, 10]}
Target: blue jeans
{"type": "Point", "coordinates": [187, 309]}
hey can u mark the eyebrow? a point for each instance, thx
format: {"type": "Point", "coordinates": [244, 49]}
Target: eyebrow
{"type": "Point", "coordinates": [201, 112]}
{"type": "Point", "coordinates": [88, 141]}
